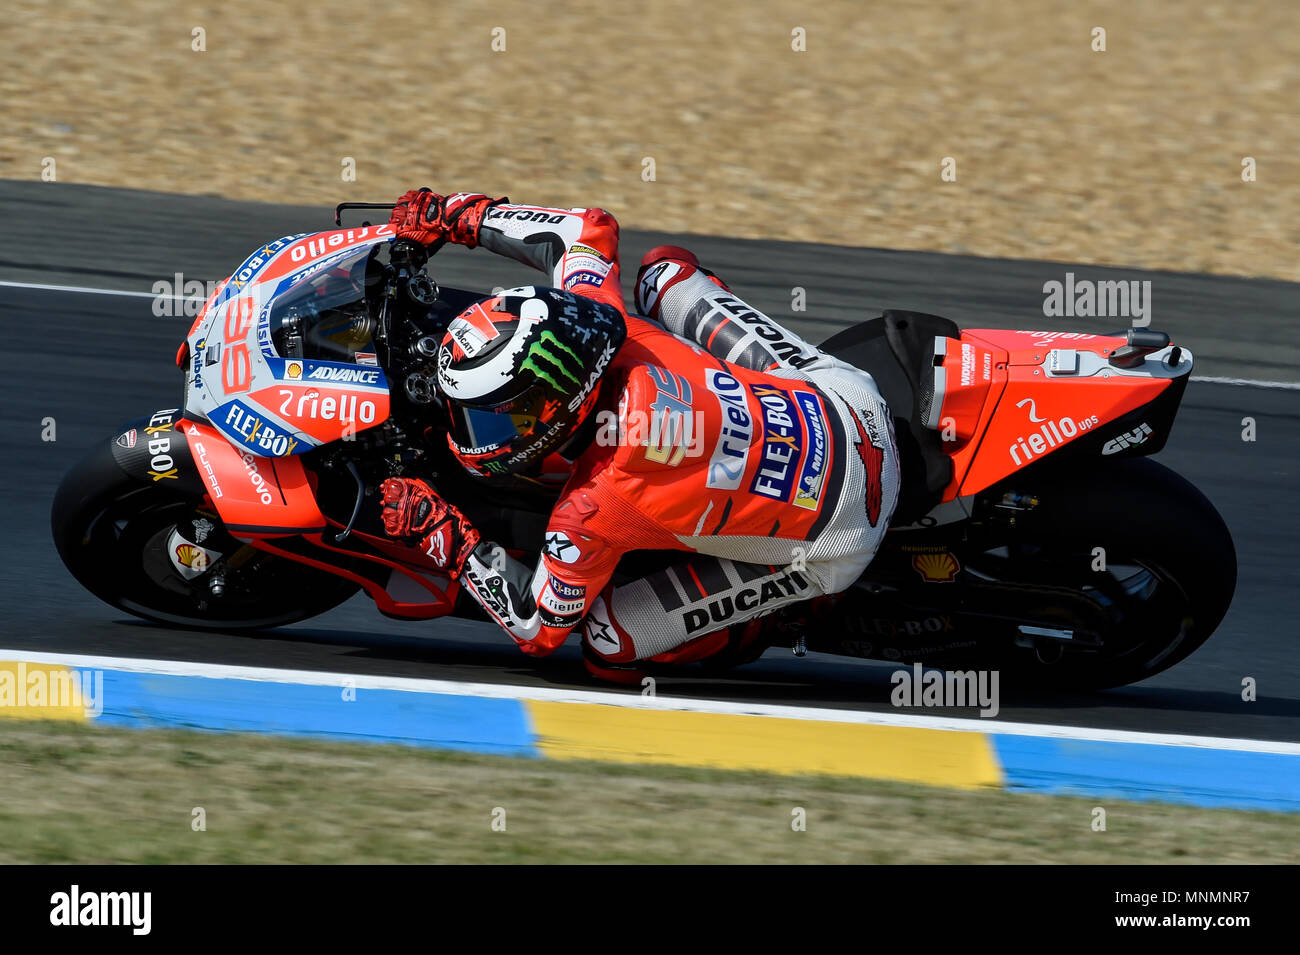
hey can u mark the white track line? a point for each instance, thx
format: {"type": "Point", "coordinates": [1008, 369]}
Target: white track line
{"type": "Point", "coordinates": [1239, 382]}
{"type": "Point", "coordinates": [96, 291]}
{"type": "Point", "coordinates": [1249, 382]}
{"type": "Point", "coordinates": [634, 700]}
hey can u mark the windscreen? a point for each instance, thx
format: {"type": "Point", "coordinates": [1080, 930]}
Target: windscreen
{"type": "Point", "coordinates": [326, 313]}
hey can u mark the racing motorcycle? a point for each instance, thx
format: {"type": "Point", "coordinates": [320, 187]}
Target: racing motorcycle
{"type": "Point", "coordinates": [1033, 534]}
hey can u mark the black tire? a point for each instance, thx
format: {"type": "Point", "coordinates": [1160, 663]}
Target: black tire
{"type": "Point", "coordinates": [1147, 519]}
{"type": "Point", "coordinates": [107, 529]}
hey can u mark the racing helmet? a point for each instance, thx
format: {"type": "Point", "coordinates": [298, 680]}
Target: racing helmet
{"type": "Point", "coordinates": [519, 374]}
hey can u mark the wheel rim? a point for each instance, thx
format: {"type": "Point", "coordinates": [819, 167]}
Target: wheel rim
{"type": "Point", "coordinates": [1148, 612]}
{"type": "Point", "coordinates": [129, 536]}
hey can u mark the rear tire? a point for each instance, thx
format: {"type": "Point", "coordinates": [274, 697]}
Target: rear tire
{"type": "Point", "coordinates": [111, 531]}
{"type": "Point", "coordinates": [1170, 570]}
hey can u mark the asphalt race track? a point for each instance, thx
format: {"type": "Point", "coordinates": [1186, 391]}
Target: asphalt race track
{"type": "Point", "coordinates": [91, 361]}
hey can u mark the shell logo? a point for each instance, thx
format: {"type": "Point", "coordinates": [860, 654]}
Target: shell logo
{"type": "Point", "coordinates": [293, 370]}
{"type": "Point", "coordinates": [936, 568]}
{"type": "Point", "coordinates": [192, 557]}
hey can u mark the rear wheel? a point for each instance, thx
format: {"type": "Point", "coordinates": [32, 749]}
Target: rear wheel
{"type": "Point", "coordinates": [1147, 551]}
{"type": "Point", "coordinates": [159, 555]}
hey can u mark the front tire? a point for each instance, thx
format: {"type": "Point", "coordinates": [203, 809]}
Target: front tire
{"type": "Point", "coordinates": [111, 532]}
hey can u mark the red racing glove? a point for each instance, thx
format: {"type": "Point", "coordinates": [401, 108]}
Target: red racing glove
{"type": "Point", "coordinates": [413, 509]}
{"type": "Point", "coordinates": [426, 217]}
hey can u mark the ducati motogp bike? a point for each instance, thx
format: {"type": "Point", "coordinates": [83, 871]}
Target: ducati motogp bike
{"type": "Point", "coordinates": [1033, 535]}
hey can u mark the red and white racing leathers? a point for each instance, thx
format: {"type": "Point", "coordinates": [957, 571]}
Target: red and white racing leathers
{"type": "Point", "coordinates": [722, 435]}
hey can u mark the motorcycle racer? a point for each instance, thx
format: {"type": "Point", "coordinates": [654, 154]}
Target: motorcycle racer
{"type": "Point", "coordinates": [707, 429]}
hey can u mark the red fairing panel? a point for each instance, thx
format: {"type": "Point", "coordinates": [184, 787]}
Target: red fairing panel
{"type": "Point", "coordinates": [254, 495]}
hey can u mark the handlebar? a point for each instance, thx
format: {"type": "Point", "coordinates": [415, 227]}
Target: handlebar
{"type": "Point", "coordinates": [429, 251]}
{"type": "Point", "coordinates": [339, 209]}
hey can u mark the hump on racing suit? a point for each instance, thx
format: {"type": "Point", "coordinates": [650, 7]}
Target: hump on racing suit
{"type": "Point", "coordinates": [578, 248]}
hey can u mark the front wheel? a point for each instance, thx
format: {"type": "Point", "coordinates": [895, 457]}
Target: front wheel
{"type": "Point", "coordinates": [163, 556]}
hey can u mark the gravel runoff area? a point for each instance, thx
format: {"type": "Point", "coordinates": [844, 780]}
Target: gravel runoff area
{"type": "Point", "coordinates": [751, 119]}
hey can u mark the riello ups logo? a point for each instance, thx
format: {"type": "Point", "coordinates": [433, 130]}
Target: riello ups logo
{"type": "Point", "coordinates": [1048, 433]}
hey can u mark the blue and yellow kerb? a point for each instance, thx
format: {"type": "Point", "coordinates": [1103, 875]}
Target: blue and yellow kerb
{"type": "Point", "coordinates": [631, 729]}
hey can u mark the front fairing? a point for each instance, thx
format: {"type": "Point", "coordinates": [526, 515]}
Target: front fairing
{"type": "Point", "coordinates": [263, 400]}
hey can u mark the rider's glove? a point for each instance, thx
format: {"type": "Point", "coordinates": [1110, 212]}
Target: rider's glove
{"type": "Point", "coordinates": [426, 217]}
{"type": "Point", "coordinates": [413, 510]}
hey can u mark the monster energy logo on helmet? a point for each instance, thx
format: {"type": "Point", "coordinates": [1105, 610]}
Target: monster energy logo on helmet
{"type": "Point", "coordinates": [552, 361]}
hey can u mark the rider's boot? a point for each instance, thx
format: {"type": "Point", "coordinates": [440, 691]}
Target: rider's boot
{"type": "Point", "coordinates": [664, 267]}
{"type": "Point", "coordinates": [624, 674]}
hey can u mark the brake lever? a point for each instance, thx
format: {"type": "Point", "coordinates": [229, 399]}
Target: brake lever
{"type": "Point", "coordinates": [343, 535]}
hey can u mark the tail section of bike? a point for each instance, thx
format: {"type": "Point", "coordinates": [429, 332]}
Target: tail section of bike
{"type": "Point", "coordinates": [972, 407]}
{"type": "Point", "coordinates": [1034, 539]}
{"type": "Point", "coordinates": [1001, 400]}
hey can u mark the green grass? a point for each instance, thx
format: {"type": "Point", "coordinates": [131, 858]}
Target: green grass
{"type": "Point", "coordinates": [77, 793]}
